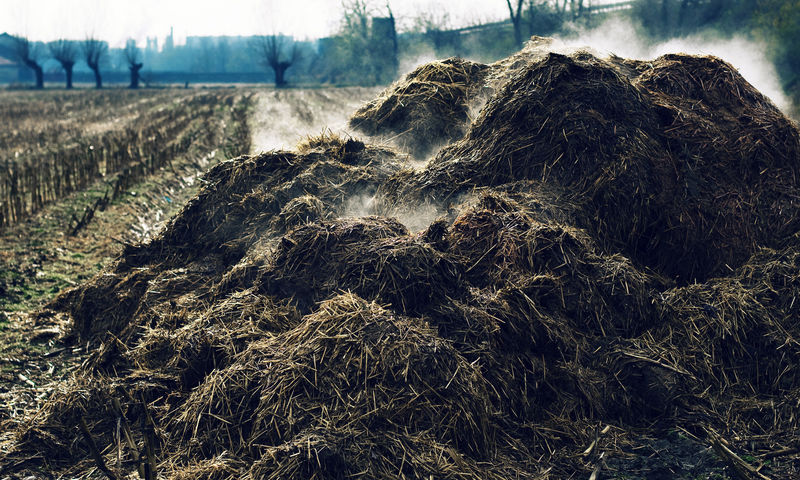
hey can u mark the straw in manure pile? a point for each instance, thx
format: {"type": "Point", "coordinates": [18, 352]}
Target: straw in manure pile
{"type": "Point", "coordinates": [426, 109]}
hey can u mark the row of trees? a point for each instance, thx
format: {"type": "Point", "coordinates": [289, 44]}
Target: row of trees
{"type": "Point", "coordinates": [68, 52]}
{"type": "Point", "coordinates": [366, 48]}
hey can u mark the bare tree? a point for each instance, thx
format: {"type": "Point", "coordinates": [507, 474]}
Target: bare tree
{"type": "Point", "coordinates": [94, 50]}
{"type": "Point", "coordinates": [223, 54]}
{"type": "Point", "coordinates": [516, 20]}
{"type": "Point", "coordinates": [355, 20]}
{"type": "Point", "coordinates": [434, 24]}
{"type": "Point", "coordinates": [356, 43]}
{"type": "Point", "coordinates": [29, 53]}
{"type": "Point", "coordinates": [134, 64]}
{"type": "Point", "coordinates": [273, 52]}
{"type": "Point", "coordinates": [384, 48]}
{"type": "Point", "coordinates": [66, 53]}
{"type": "Point", "coordinates": [576, 8]}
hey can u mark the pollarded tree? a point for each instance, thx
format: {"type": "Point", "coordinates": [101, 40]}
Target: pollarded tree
{"type": "Point", "coordinates": [66, 53]}
{"type": "Point", "coordinates": [29, 53]}
{"type": "Point", "coordinates": [516, 21]}
{"type": "Point", "coordinates": [93, 51]}
{"type": "Point", "coordinates": [275, 52]}
{"type": "Point", "coordinates": [134, 64]}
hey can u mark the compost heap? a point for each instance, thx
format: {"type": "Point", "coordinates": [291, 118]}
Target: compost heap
{"type": "Point", "coordinates": [428, 108]}
{"type": "Point", "coordinates": [616, 257]}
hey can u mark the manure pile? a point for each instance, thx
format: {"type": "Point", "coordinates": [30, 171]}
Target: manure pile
{"type": "Point", "coordinates": [616, 263]}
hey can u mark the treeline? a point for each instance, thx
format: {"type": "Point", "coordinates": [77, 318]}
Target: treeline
{"type": "Point", "coordinates": [371, 44]}
{"type": "Point", "coordinates": [367, 48]}
{"type": "Point", "coordinates": [93, 53]}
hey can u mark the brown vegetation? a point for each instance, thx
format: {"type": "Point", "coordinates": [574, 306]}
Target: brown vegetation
{"type": "Point", "coordinates": [45, 163]}
{"type": "Point", "coordinates": [426, 109]}
{"type": "Point", "coordinates": [535, 331]}
{"type": "Point", "coordinates": [679, 163]}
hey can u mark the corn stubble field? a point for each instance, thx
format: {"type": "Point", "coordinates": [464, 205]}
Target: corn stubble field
{"type": "Point", "coordinates": [553, 266]}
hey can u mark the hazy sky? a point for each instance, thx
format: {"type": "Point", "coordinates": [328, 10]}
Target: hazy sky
{"type": "Point", "coordinates": [117, 20]}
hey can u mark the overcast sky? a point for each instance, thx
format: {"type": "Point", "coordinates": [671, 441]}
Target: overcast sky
{"type": "Point", "coordinates": [117, 20]}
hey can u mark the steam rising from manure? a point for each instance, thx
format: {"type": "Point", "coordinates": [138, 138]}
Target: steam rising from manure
{"type": "Point", "coordinates": [619, 37]}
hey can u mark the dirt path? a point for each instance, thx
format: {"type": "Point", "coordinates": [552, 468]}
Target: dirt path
{"type": "Point", "coordinates": [284, 117]}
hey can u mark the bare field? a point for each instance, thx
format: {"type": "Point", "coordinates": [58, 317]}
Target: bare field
{"type": "Point", "coordinates": [82, 174]}
{"type": "Point", "coordinates": [61, 143]}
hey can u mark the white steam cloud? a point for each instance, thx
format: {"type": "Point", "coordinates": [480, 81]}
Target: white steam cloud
{"type": "Point", "coordinates": [415, 219]}
{"type": "Point", "coordinates": [618, 36]}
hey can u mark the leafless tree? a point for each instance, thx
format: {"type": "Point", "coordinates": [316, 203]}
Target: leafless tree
{"type": "Point", "coordinates": [66, 53]}
{"type": "Point", "coordinates": [223, 54]}
{"type": "Point", "coordinates": [391, 45]}
{"type": "Point", "coordinates": [534, 7]}
{"type": "Point", "coordinates": [134, 64]}
{"type": "Point", "coordinates": [275, 53]}
{"type": "Point", "coordinates": [366, 49]}
{"type": "Point", "coordinates": [516, 20]}
{"type": "Point", "coordinates": [93, 51]}
{"type": "Point", "coordinates": [355, 20]}
{"type": "Point", "coordinates": [576, 7]}
{"type": "Point", "coordinates": [560, 6]}
{"type": "Point", "coordinates": [434, 24]}
{"type": "Point", "coordinates": [29, 53]}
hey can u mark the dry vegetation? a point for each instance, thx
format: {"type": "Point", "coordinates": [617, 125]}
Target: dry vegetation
{"type": "Point", "coordinates": [427, 108]}
{"type": "Point", "coordinates": [612, 280]}
{"type": "Point", "coordinates": [61, 143]}
{"type": "Point", "coordinates": [68, 240]}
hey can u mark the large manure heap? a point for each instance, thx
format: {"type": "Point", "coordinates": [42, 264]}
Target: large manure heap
{"type": "Point", "coordinates": [616, 260]}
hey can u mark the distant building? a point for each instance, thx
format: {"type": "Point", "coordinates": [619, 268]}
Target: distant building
{"type": "Point", "coordinates": [151, 50]}
{"type": "Point", "coordinates": [169, 43]}
{"type": "Point", "coordinates": [152, 45]}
